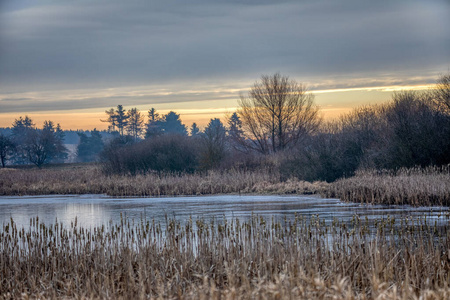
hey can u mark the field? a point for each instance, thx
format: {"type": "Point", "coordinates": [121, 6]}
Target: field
{"type": "Point", "coordinates": [300, 259]}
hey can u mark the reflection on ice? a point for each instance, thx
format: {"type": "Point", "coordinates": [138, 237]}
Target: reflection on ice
{"type": "Point", "coordinates": [94, 210]}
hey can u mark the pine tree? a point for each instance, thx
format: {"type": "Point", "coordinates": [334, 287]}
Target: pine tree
{"type": "Point", "coordinates": [194, 129]}
{"type": "Point", "coordinates": [135, 123]}
{"type": "Point", "coordinates": [153, 124]}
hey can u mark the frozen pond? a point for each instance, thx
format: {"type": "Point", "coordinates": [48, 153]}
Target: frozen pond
{"type": "Point", "coordinates": [92, 210]}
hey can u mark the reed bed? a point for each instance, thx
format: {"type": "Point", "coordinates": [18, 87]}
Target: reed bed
{"type": "Point", "coordinates": [414, 186]}
{"type": "Point", "coordinates": [91, 180]}
{"type": "Point", "coordinates": [228, 259]}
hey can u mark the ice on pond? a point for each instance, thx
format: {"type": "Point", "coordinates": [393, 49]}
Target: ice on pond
{"type": "Point", "coordinates": [93, 210]}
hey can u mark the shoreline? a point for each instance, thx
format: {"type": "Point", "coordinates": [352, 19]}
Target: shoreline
{"type": "Point", "coordinates": [416, 187]}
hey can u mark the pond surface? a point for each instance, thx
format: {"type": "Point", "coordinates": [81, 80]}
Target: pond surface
{"type": "Point", "coordinates": [93, 210]}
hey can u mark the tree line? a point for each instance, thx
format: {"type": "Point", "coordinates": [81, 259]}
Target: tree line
{"type": "Point", "coordinates": [164, 143]}
{"type": "Point", "coordinates": [24, 143]}
{"type": "Point", "coordinates": [277, 127]}
{"type": "Point", "coordinates": [28, 144]}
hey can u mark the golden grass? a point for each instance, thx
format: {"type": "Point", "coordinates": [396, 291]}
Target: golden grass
{"type": "Point", "coordinates": [415, 186]}
{"type": "Point", "coordinates": [89, 179]}
{"type": "Point", "coordinates": [259, 258]}
{"type": "Point", "coordinates": [418, 187]}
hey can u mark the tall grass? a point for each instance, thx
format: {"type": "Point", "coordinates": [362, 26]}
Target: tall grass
{"type": "Point", "coordinates": [91, 180]}
{"type": "Point", "coordinates": [259, 258]}
{"type": "Point", "coordinates": [414, 186]}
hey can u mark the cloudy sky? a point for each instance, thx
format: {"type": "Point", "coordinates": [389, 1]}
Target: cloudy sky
{"type": "Point", "coordinates": [69, 60]}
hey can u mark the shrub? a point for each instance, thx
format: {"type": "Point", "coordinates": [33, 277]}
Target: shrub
{"type": "Point", "coordinates": [168, 153]}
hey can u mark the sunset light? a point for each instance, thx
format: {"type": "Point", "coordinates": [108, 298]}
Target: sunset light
{"type": "Point", "coordinates": [244, 149]}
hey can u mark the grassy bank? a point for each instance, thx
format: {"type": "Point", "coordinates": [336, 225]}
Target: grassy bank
{"type": "Point", "coordinates": [418, 187]}
{"type": "Point", "coordinates": [304, 259]}
{"type": "Point", "coordinates": [88, 179]}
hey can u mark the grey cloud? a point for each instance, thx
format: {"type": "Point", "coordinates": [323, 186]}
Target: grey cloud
{"type": "Point", "coordinates": [79, 44]}
{"type": "Point", "coordinates": [14, 100]}
{"type": "Point", "coordinates": [173, 94]}
{"type": "Point", "coordinates": [36, 105]}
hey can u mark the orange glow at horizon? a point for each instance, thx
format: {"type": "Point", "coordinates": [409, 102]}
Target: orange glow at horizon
{"type": "Point", "coordinates": [89, 121]}
{"type": "Point", "coordinates": [333, 103]}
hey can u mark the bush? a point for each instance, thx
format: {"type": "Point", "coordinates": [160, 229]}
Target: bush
{"type": "Point", "coordinates": [406, 132]}
{"type": "Point", "coordinates": [416, 134]}
{"type": "Point", "coordinates": [166, 153]}
{"type": "Point", "coordinates": [324, 157]}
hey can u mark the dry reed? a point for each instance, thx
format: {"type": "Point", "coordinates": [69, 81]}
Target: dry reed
{"type": "Point", "coordinates": [89, 179]}
{"type": "Point", "coordinates": [414, 186]}
{"type": "Point", "coordinates": [418, 187]}
{"type": "Point", "coordinates": [258, 258]}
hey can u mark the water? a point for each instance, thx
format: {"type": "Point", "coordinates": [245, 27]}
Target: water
{"type": "Point", "coordinates": [94, 210]}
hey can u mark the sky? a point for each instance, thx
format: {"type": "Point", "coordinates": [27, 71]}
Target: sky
{"type": "Point", "coordinates": [70, 60]}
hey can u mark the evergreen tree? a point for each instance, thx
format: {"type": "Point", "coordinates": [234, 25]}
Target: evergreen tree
{"type": "Point", "coordinates": [7, 149]}
{"type": "Point", "coordinates": [90, 146]}
{"type": "Point", "coordinates": [214, 144]}
{"type": "Point", "coordinates": [171, 124]}
{"type": "Point", "coordinates": [235, 132]}
{"type": "Point", "coordinates": [194, 129]}
{"type": "Point", "coordinates": [135, 123]}
{"type": "Point", "coordinates": [153, 124]}
{"type": "Point", "coordinates": [21, 130]}
{"type": "Point", "coordinates": [60, 134]}
{"type": "Point", "coordinates": [121, 119]}
{"type": "Point", "coordinates": [111, 120]}
{"type": "Point", "coordinates": [118, 119]}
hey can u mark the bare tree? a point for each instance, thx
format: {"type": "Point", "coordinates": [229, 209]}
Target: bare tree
{"type": "Point", "coordinates": [277, 113]}
{"type": "Point", "coordinates": [44, 145]}
{"type": "Point", "coordinates": [441, 93]}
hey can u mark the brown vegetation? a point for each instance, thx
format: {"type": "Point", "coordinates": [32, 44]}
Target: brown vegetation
{"type": "Point", "coordinates": [414, 186]}
{"type": "Point", "coordinates": [89, 179]}
{"type": "Point", "coordinates": [302, 259]}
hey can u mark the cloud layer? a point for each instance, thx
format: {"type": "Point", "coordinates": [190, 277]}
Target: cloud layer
{"type": "Point", "coordinates": [61, 47]}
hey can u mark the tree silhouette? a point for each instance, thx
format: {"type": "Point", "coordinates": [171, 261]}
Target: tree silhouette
{"type": "Point", "coordinates": [90, 146]}
{"type": "Point", "coordinates": [214, 139]}
{"type": "Point", "coordinates": [441, 93]}
{"type": "Point", "coordinates": [135, 123]}
{"type": "Point", "coordinates": [194, 129]}
{"type": "Point", "coordinates": [277, 113]}
{"type": "Point", "coordinates": [7, 148]}
{"type": "Point", "coordinates": [171, 124]}
{"type": "Point", "coordinates": [153, 124]}
{"type": "Point", "coordinates": [235, 132]}
{"type": "Point", "coordinates": [118, 119]}
{"type": "Point", "coordinates": [43, 146]}
{"type": "Point", "coordinates": [21, 129]}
